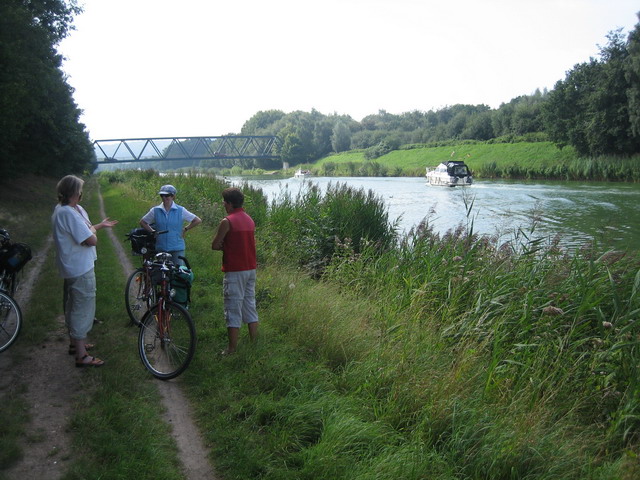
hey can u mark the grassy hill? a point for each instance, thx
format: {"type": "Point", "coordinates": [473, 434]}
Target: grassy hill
{"type": "Point", "coordinates": [539, 160]}
{"type": "Point", "coordinates": [539, 154]}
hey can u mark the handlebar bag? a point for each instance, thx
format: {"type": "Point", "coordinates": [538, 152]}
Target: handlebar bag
{"type": "Point", "coordinates": [142, 239]}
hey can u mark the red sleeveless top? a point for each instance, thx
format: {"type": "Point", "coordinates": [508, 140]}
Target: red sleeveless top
{"type": "Point", "coordinates": [239, 245]}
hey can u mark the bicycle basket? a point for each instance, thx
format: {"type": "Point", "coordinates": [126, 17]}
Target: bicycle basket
{"type": "Point", "coordinates": [181, 285]}
{"type": "Point", "coordinates": [142, 241]}
{"type": "Point", "coordinates": [14, 256]}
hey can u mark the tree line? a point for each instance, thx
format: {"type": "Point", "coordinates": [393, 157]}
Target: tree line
{"type": "Point", "coordinates": [40, 131]}
{"type": "Point", "coordinates": [595, 109]}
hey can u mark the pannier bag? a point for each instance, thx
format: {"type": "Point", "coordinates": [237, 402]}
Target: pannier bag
{"type": "Point", "coordinates": [181, 285]}
{"type": "Point", "coordinates": [142, 239]}
{"type": "Point", "coordinates": [14, 256]}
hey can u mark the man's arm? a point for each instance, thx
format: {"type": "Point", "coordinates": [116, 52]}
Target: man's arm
{"type": "Point", "coordinates": [223, 229]}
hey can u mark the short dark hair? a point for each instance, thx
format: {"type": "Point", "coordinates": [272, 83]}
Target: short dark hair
{"type": "Point", "coordinates": [233, 196]}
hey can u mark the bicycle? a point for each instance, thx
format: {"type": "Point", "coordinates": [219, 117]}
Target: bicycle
{"type": "Point", "coordinates": [13, 256]}
{"type": "Point", "coordinates": [139, 294]}
{"type": "Point", "coordinates": [167, 337]}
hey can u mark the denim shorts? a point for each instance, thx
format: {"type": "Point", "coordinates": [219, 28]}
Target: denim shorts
{"type": "Point", "coordinates": [80, 304]}
{"type": "Point", "coordinates": [239, 291]}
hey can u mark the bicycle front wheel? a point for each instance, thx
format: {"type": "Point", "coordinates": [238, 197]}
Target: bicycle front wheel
{"type": "Point", "coordinates": [10, 321]}
{"type": "Point", "coordinates": [167, 340]}
{"type": "Point", "coordinates": [139, 295]}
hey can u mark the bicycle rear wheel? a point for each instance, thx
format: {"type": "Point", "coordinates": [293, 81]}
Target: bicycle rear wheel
{"type": "Point", "coordinates": [167, 340]}
{"type": "Point", "coordinates": [139, 296]}
{"type": "Point", "coordinates": [10, 321]}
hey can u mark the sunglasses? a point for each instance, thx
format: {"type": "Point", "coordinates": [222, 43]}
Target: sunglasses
{"type": "Point", "coordinates": [166, 195]}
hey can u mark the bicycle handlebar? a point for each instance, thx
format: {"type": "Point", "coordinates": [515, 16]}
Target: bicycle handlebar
{"type": "Point", "coordinates": [155, 233]}
{"type": "Point", "coordinates": [165, 257]}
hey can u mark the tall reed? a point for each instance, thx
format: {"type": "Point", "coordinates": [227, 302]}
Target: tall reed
{"type": "Point", "coordinates": [425, 356]}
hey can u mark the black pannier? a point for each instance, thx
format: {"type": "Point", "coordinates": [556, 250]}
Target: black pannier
{"type": "Point", "coordinates": [14, 256]}
{"type": "Point", "coordinates": [142, 241]}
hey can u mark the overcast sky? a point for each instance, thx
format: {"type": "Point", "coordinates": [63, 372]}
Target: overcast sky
{"type": "Point", "coordinates": [151, 68]}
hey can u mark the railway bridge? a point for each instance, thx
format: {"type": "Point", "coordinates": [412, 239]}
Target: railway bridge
{"type": "Point", "coordinates": [224, 151]}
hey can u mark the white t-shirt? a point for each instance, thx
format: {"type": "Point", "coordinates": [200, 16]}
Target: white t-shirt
{"type": "Point", "coordinates": [70, 229]}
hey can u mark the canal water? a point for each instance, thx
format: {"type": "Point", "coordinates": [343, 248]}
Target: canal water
{"type": "Point", "coordinates": [578, 213]}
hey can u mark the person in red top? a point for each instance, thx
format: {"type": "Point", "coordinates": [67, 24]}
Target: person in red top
{"type": "Point", "coordinates": [236, 238]}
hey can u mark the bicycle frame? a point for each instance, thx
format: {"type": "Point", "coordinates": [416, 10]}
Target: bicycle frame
{"type": "Point", "coordinates": [167, 337]}
{"type": "Point", "coordinates": [139, 294]}
{"type": "Point", "coordinates": [163, 294]}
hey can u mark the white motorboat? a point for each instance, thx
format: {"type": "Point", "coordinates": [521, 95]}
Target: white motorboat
{"type": "Point", "coordinates": [300, 173]}
{"type": "Point", "coordinates": [453, 173]}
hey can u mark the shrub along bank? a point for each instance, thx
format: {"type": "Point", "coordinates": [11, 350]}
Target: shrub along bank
{"type": "Point", "coordinates": [425, 356]}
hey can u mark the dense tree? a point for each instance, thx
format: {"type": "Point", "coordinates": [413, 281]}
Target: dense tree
{"type": "Point", "coordinates": [340, 137]}
{"type": "Point", "coordinates": [632, 73]}
{"type": "Point", "coordinates": [322, 131]}
{"type": "Point", "coordinates": [478, 127]}
{"type": "Point", "coordinates": [291, 150]}
{"type": "Point", "coordinates": [590, 108]}
{"type": "Point", "coordinates": [262, 122]}
{"type": "Point", "coordinates": [39, 121]}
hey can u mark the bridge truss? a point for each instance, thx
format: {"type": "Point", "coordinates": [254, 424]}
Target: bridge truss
{"type": "Point", "coordinates": [232, 147]}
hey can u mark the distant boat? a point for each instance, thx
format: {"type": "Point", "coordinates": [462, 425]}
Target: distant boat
{"type": "Point", "coordinates": [300, 173]}
{"type": "Point", "coordinates": [453, 173]}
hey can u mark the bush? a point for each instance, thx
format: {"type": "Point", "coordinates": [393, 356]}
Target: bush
{"type": "Point", "coordinates": [306, 231]}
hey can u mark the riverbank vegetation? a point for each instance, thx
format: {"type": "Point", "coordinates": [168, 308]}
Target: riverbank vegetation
{"type": "Point", "coordinates": [422, 356]}
{"type": "Point", "coordinates": [425, 356]}
{"type": "Point", "coordinates": [525, 160]}
{"type": "Point", "coordinates": [521, 160]}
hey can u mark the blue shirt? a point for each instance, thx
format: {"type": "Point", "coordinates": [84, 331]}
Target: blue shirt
{"type": "Point", "coordinates": [172, 221]}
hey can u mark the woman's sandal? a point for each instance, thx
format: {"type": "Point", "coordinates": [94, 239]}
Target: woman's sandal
{"type": "Point", "coordinates": [94, 362]}
{"type": "Point", "coordinates": [87, 347]}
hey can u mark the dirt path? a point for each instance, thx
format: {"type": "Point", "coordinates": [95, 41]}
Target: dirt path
{"type": "Point", "coordinates": [50, 388]}
{"type": "Point", "coordinates": [178, 411]}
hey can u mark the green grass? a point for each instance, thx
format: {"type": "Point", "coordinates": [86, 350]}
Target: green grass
{"type": "Point", "coordinates": [435, 358]}
{"type": "Point", "coordinates": [487, 160]}
{"type": "Point", "coordinates": [116, 434]}
{"type": "Point", "coordinates": [479, 156]}
{"type": "Point", "coordinates": [25, 212]}
{"type": "Point", "coordinates": [121, 432]}
{"type": "Point", "coordinates": [539, 160]}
